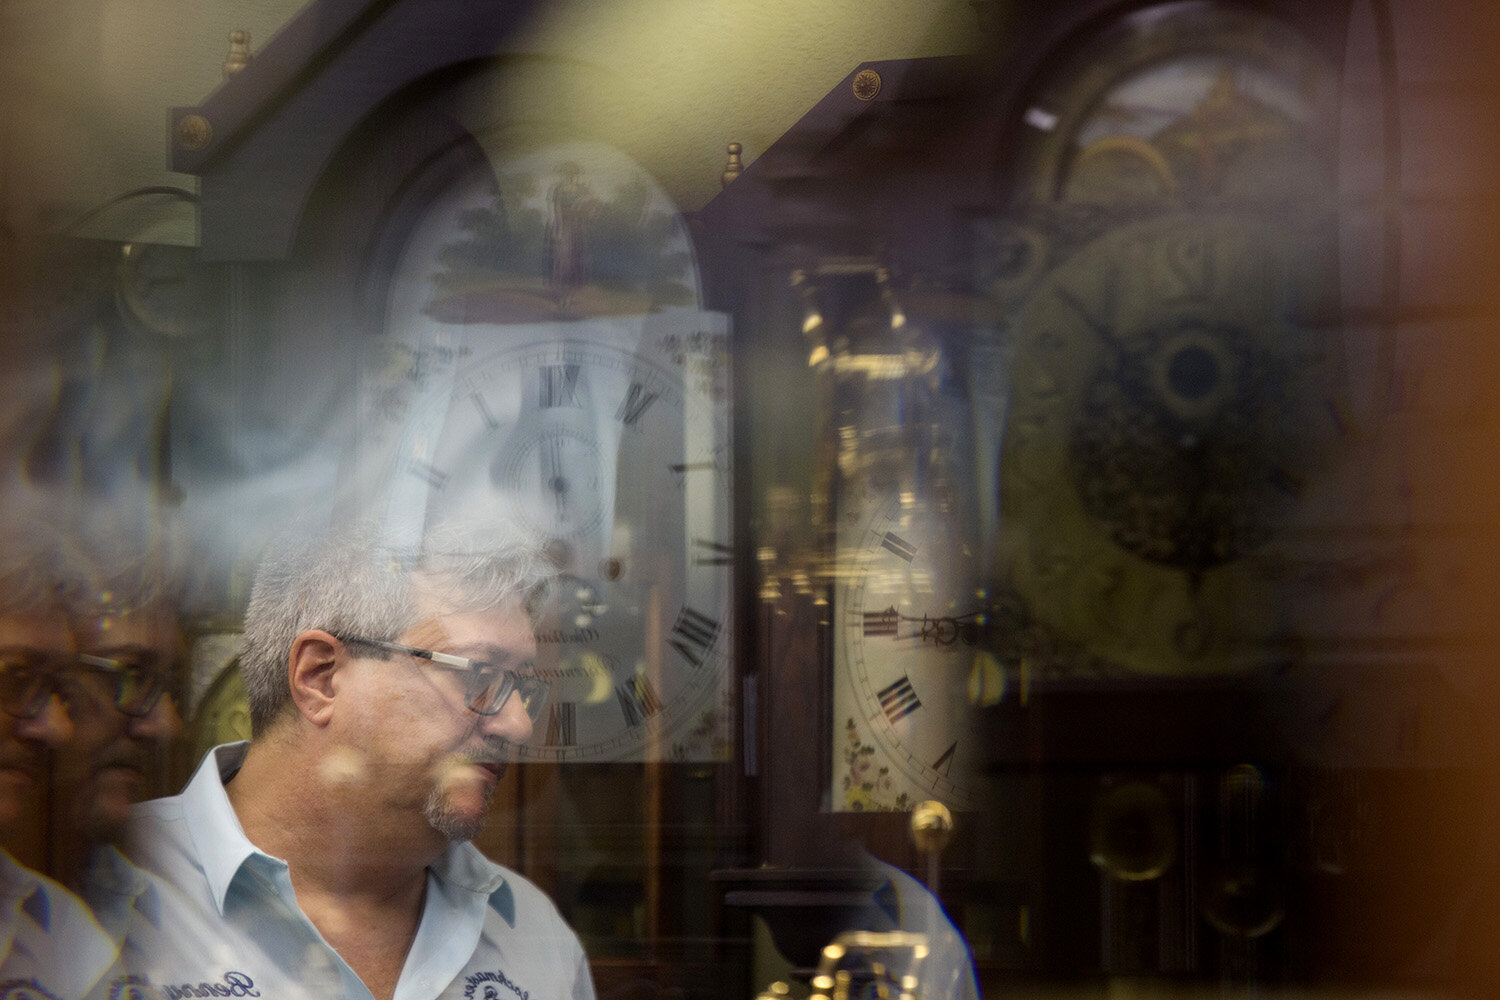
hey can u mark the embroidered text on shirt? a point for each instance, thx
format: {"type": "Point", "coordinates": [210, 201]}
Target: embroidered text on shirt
{"type": "Point", "coordinates": [471, 984]}
{"type": "Point", "coordinates": [231, 984]}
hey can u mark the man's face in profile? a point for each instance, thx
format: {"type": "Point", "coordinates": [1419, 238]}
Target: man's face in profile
{"type": "Point", "coordinates": [30, 642]}
{"type": "Point", "coordinates": [121, 742]}
{"type": "Point", "coordinates": [428, 750]}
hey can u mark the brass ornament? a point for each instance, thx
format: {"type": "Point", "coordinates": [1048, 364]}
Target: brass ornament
{"type": "Point", "coordinates": [1133, 835]}
{"type": "Point", "coordinates": [733, 166]}
{"type": "Point", "coordinates": [194, 132]}
{"type": "Point", "coordinates": [239, 52]}
{"type": "Point", "coordinates": [931, 826]}
{"type": "Point", "coordinates": [866, 84]}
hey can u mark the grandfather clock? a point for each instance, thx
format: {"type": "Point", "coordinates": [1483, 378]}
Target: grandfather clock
{"type": "Point", "coordinates": [1049, 450]}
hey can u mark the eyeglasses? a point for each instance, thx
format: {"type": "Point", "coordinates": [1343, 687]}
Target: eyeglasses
{"type": "Point", "coordinates": [137, 684]}
{"type": "Point", "coordinates": [487, 686]}
{"type": "Point", "coordinates": [26, 685]}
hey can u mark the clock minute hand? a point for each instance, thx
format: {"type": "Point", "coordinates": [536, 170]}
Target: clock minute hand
{"type": "Point", "coordinates": [941, 630]}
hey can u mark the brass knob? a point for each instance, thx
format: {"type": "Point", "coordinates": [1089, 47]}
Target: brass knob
{"type": "Point", "coordinates": [1133, 834]}
{"type": "Point", "coordinates": [931, 826]}
{"type": "Point", "coordinates": [776, 991]}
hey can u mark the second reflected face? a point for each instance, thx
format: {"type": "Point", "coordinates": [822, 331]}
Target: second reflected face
{"type": "Point", "coordinates": [116, 759]}
{"type": "Point", "coordinates": [39, 639]}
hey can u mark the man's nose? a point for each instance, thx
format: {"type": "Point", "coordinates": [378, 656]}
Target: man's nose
{"type": "Point", "coordinates": [160, 725]}
{"type": "Point", "coordinates": [50, 726]}
{"type": "Point", "coordinates": [512, 722]}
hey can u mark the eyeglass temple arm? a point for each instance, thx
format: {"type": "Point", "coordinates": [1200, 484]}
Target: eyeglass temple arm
{"type": "Point", "coordinates": [447, 659]}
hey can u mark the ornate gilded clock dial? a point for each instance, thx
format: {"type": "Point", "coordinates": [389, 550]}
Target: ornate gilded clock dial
{"type": "Point", "coordinates": [1171, 365]}
{"type": "Point", "coordinates": [1160, 428]}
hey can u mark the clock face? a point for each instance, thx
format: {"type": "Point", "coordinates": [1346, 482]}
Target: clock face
{"type": "Point", "coordinates": [526, 387]}
{"type": "Point", "coordinates": [911, 659]}
{"type": "Point", "coordinates": [1162, 424]}
{"type": "Point", "coordinates": [913, 647]}
{"type": "Point", "coordinates": [1172, 380]}
{"type": "Point", "coordinates": [608, 455]}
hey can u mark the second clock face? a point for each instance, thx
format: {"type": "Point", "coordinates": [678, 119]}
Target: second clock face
{"type": "Point", "coordinates": [909, 617]}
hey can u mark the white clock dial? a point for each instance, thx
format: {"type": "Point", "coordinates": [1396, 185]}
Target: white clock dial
{"type": "Point", "coordinates": [608, 439]}
{"type": "Point", "coordinates": [546, 363]}
{"type": "Point", "coordinates": [911, 660]}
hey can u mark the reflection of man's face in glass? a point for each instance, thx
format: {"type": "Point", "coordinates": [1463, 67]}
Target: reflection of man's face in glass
{"type": "Point", "coordinates": [37, 640]}
{"type": "Point", "coordinates": [117, 757]}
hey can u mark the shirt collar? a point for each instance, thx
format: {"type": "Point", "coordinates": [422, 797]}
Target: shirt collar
{"type": "Point", "coordinates": [17, 882]}
{"type": "Point", "coordinates": [223, 848]}
{"type": "Point", "coordinates": [464, 866]}
{"type": "Point", "coordinates": [111, 871]}
{"type": "Point", "coordinates": [221, 843]}
{"type": "Point", "coordinates": [115, 888]}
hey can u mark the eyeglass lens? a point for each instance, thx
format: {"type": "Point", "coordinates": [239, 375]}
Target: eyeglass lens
{"type": "Point", "coordinates": [136, 687]}
{"type": "Point", "coordinates": [490, 687]}
{"type": "Point", "coordinates": [25, 688]}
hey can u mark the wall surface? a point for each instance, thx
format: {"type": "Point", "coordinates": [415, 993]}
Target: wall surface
{"type": "Point", "coordinates": [87, 86]}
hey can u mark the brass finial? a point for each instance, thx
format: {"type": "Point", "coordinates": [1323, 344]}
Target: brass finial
{"type": "Point", "coordinates": [733, 167]}
{"type": "Point", "coordinates": [931, 829]}
{"type": "Point", "coordinates": [239, 52]}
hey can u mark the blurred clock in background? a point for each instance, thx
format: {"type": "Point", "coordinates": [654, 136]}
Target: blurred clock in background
{"type": "Point", "coordinates": [1173, 342]}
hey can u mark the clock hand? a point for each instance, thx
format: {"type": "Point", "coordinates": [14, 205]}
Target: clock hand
{"type": "Point", "coordinates": [557, 481]}
{"type": "Point", "coordinates": [988, 626]}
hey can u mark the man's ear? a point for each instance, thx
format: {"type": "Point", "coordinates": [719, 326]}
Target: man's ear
{"type": "Point", "coordinates": [311, 664]}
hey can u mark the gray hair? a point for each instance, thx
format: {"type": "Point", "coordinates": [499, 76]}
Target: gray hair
{"type": "Point", "coordinates": [353, 581]}
{"type": "Point", "coordinates": [116, 564]}
{"type": "Point", "coordinates": [33, 579]}
{"type": "Point", "coordinates": [30, 578]}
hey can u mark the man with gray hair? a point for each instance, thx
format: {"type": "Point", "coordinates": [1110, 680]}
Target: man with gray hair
{"type": "Point", "coordinates": [329, 855]}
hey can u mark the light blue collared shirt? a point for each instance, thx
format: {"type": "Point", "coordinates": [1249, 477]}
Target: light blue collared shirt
{"type": "Point", "coordinates": [49, 942]}
{"type": "Point", "coordinates": [229, 923]}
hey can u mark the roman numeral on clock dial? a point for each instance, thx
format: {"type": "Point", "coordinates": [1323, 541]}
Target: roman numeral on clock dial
{"type": "Point", "coordinates": [898, 699]}
{"type": "Point", "coordinates": [693, 635]}
{"type": "Point", "coordinates": [898, 546]}
{"type": "Point", "coordinates": [637, 400]}
{"type": "Point", "coordinates": [710, 553]}
{"type": "Point", "coordinates": [557, 385]}
{"type": "Point", "coordinates": [562, 724]}
{"type": "Point", "coordinates": [638, 700]}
